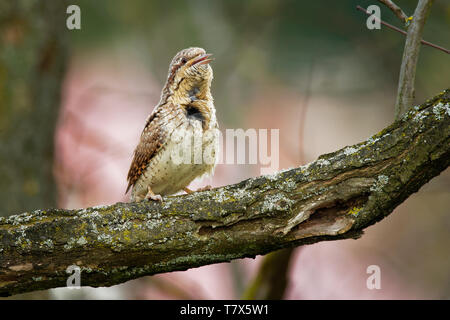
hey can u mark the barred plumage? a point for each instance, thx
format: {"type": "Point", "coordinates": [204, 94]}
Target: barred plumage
{"type": "Point", "coordinates": [184, 117]}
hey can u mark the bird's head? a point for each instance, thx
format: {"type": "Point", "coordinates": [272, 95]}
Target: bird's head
{"type": "Point", "coordinates": [190, 74]}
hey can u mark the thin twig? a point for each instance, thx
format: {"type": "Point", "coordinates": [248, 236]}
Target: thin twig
{"type": "Point", "coordinates": [404, 32]}
{"type": "Point", "coordinates": [405, 92]}
{"type": "Point", "coordinates": [395, 9]}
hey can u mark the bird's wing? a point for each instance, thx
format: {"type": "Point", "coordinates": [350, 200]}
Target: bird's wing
{"type": "Point", "coordinates": [151, 141]}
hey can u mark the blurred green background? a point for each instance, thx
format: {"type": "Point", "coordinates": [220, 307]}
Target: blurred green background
{"type": "Point", "coordinates": [260, 41]}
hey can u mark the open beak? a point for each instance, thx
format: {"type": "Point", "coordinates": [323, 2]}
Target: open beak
{"type": "Point", "coordinates": [202, 59]}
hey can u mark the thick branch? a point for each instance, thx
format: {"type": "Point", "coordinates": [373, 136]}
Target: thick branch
{"type": "Point", "coordinates": [335, 197]}
{"type": "Point", "coordinates": [405, 93]}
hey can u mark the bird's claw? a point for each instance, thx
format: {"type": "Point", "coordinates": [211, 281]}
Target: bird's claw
{"type": "Point", "coordinates": [205, 188]}
{"type": "Point", "coordinates": [151, 196]}
{"type": "Point", "coordinates": [154, 197]}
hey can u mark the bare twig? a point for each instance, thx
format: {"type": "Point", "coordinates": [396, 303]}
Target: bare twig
{"type": "Point", "coordinates": [395, 9]}
{"type": "Point", "coordinates": [335, 197]}
{"type": "Point", "coordinates": [405, 92]}
{"type": "Point", "coordinates": [390, 26]}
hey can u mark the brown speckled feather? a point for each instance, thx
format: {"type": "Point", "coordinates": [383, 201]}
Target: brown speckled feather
{"type": "Point", "coordinates": [152, 139]}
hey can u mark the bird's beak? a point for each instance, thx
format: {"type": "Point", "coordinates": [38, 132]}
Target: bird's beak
{"type": "Point", "coordinates": [202, 59]}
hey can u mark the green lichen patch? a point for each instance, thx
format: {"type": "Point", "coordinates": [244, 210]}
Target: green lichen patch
{"type": "Point", "coordinates": [354, 211]}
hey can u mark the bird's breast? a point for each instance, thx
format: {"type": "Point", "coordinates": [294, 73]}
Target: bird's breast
{"type": "Point", "coordinates": [190, 151]}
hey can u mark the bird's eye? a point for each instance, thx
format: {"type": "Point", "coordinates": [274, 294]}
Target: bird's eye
{"type": "Point", "coordinates": [183, 61]}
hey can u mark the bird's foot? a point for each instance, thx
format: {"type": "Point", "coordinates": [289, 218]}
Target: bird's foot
{"type": "Point", "coordinates": [205, 188]}
{"type": "Point", "coordinates": [151, 196]}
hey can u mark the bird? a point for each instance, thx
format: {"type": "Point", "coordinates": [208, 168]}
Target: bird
{"type": "Point", "coordinates": [180, 139]}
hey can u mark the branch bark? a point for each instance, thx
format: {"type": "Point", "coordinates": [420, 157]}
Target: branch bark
{"type": "Point", "coordinates": [334, 197]}
{"type": "Point", "coordinates": [405, 93]}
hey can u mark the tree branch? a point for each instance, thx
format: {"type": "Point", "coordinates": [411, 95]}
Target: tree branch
{"type": "Point", "coordinates": [272, 278]}
{"type": "Point", "coordinates": [396, 10]}
{"type": "Point", "coordinates": [334, 197]}
{"type": "Point", "coordinates": [390, 26]}
{"type": "Point", "coordinates": [405, 93]}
